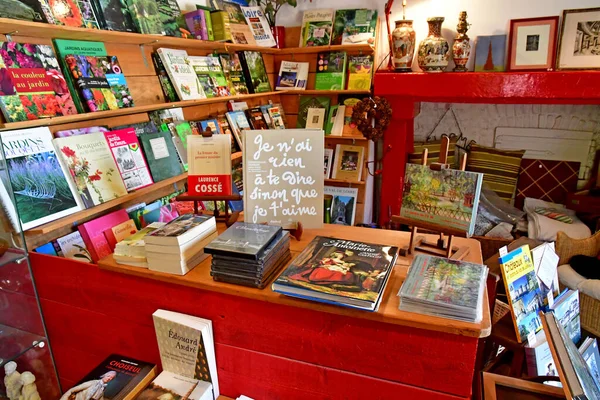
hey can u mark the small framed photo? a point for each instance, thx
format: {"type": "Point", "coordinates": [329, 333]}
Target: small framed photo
{"type": "Point", "coordinates": [532, 44]}
{"type": "Point", "coordinates": [328, 161]}
{"type": "Point", "coordinates": [579, 43]}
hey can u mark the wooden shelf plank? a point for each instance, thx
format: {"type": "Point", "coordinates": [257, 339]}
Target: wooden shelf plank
{"type": "Point", "coordinates": [50, 31]}
{"type": "Point", "coordinates": [366, 48]}
{"type": "Point", "coordinates": [87, 213]}
{"type": "Point", "coordinates": [126, 111]}
{"type": "Point", "coordinates": [236, 156]}
{"type": "Point", "coordinates": [345, 181]}
{"type": "Point", "coordinates": [324, 92]}
{"type": "Point", "coordinates": [345, 137]}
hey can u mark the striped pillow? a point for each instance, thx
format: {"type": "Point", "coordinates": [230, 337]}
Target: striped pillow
{"type": "Point", "coordinates": [433, 156]}
{"type": "Point", "coordinates": [500, 168]}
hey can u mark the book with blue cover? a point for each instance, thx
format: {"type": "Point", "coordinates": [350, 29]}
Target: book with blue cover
{"type": "Point", "coordinates": [566, 309]}
{"type": "Point", "coordinates": [589, 352]}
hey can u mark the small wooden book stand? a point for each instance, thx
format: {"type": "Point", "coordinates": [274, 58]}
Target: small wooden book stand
{"type": "Point", "coordinates": [443, 247]}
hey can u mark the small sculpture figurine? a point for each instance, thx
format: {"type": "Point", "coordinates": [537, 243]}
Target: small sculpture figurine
{"type": "Point", "coordinates": [461, 50]}
{"type": "Point", "coordinates": [12, 380]}
{"type": "Point", "coordinates": [29, 390]}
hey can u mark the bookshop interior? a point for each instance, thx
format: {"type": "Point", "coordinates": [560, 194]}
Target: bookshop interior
{"type": "Point", "coordinates": [167, 232]}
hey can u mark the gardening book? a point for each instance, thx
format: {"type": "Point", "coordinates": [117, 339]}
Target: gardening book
{"type": "Point", "coordinates": [523, 292]}
{"type": "Point", "coordinates": [243, 240]}
{"type": "Point", "coordinates": [73, 246]}
{"type": "Point", "coordinates": [255, 73]}
{"type": "Point", "coordinates": [27, 10]}
{"type": "Point", "coordinates": [165, 82]}
{"type": "Point", "coordinates": [566, 309]}
{"type": "Point", "coordinates": [237, 26]}
{"type": "Point", "coordinates": [316, 28]}
{"type": "Point", "coordinates": [32, 85]}
{"type": "Point", "coordinates": [146, 16]}
{"type": "Point", "coordinates": [173, 386]}
{"type": "Point", "coordinates": [445, 288]}
{"type": "Point", "coordinates": [116, 16]}
{"type": "Point", "coordinates": [348, 162]}
{"type": "Point", "coordinates": [331, 71]}
{"type": "Point", "coordinates": [128, 378]}
{"type": "Point", "coordinates": [210, 75]}
{"type": "Point", "coordinates": [181, 73]}
{"type": "Point", "coordinates": [186, 346]}
{"type": "Point", "coordinates": [447, 197]}
{"type": "Point", "coordinates": [196, 23]}
{"type": "Point", "coordinates": [43, 191]}
{"type": "Point", "coordinates": [234, 73]}
{"type": "Point", "coordinates": [169, 11]}
{"type": "Point", "coordinates": [74, 13]}
{"type": "Point", "coordinates": [355, 26]}
{"type": "Point", "coordinates": [259, 26]}
{"type": "Point", "coordinates": [91, 167]}
{"type": "Point", "coordinates": [161, 155]}
{"type": "Point", "coordinates": [80, 48]}
{"type": "Point", "coordinates": [93, 233]}
{"type": "Point", "coordinates": [292, 75]}
{"type": "Point", "coordinates": [208, 19]}
{"type": "Point", "coordinates": [360, 72]}
{"type": "Point", "coordinates": [307, 102]}
{"type": "Point", "coordinates": [589, 352]}
{"type": "Point", "coordinates": [209, 160]}
{"type": "Point", "coordinates": [340, 272]}
{"type": "Point", "coordinates": [342, 209]}
{"type": "Point", "coordinates": [81, 131]}
{"type": "Point", "coordinates": [128, 155]}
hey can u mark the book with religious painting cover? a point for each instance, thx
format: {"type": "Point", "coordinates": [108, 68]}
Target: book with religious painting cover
{"type": "Point", "coordinates": [31, 83]}
{"type": "Point", "coordinates": [115, 378]}
{"type": "Point", "coordinates": [340, 272]}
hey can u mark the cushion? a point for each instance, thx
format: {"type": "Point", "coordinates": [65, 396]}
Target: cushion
{"type": "Point", "coordinates": [567, 247]}
{"type": "Point", "coordinates": [433, 149]}
{"type": "Point", "coordinates": [546, 229]}
{"type": "Point", "coordinates": [569, 278]}
{"type": "Point", "coordinates": [591, 287]}
{"type": "Point", "coordinates": [555, 214]}
{"type": "Point", "coordinates": [501, 168]}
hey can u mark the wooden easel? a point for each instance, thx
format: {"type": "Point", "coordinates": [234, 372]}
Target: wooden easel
{"type": "Point", "coordinates": [443, 247]}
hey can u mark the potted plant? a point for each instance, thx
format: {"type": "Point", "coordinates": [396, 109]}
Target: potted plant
{"type": "Point", "coordinates": [270, 9]}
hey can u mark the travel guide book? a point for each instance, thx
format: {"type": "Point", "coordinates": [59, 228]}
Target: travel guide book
{"type": "Point", "coordinates": [42, 189]}
{"type": "Point", "coordinates": [255, 73]}
{"type": "Point", "coordinates": [92, 168]}
{"type": "Point", "coordinates": [445, 288]}
{"type": "Point", "coordinates": [129, 157]}
{"type": "Point", "coordinates": [181, 73]}
{"type": "Point", "coordinates": [261, 31]}
{"type": "Point", "coordinates": [32, 85]}
{"type": "Point", "coordinates": [161, 155]}
{"type": "Point", "coordinates": [243, 240]}
{"type": "Point", "coordinates": [292, 76]}
{"type": "Point", "coordinates": [117, 377]}
{"type": "Point", "coordinates": [181, 230]}
{"type": "Point", "coordinates": [566, 309]}
{"type": "Point", "coordinates": [331, 71]}
{"type": "Point", "coordinates": [316, 28]}
{"type": "Point", "coordinates": [354, 26]}
{"type": "Point", "coordinates": [340, 272]}
{"type": "Point", "coordinates": [447, 197]}
{"type": "Point", "coordinates": [524, 295]}
{"type": "Point", "coordinates": [340, 205]}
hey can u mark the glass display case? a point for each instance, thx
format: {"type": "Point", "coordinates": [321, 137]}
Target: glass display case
{"type": "Point", "coordinates": [23, 338]}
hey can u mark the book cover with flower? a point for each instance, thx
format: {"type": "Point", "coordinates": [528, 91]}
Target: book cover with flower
{"type": "Point", "coordinates": [360, 72]}
{"type": "Point", "coordinates": [129, 158]}
{"type": "Point", "coordinates": [181, 73]}
{"type": "Point", "coordinates": [42, 192]}
{"type": "Point", "coordinates": [31, 83]}
{"type": "Point", "coordinates": [92, 168]}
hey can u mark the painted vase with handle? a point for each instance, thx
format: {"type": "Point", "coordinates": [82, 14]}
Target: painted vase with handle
{"type": "Point", "coordinates": [434, 50]}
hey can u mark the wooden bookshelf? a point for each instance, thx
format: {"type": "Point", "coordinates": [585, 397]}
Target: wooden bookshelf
{"type": "Point", "coordinates": [353, 138]}
{"type": "Point", "coordinates": [323, 92]}
{"type": "Point", "coordinates": [353, 48]}
{"type": "Point", "coordinates": [346, 181]}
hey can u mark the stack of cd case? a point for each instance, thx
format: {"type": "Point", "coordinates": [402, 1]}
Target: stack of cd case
{"type": "Point", "coordinates": [249, 254]}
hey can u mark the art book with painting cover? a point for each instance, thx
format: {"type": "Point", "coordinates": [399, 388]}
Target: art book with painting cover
{"type": "Point", "coordinates": [316, 28]}
{"type": "Point", "coordinates": [340, 272]}
{"type": "Point", "coordinates": [447, 197]}
{"type": "Point", "coordinates": [181, 73]}
{"type": "Point", "coordinates": [168, 385]}
{"type": "Point", "coordinates": [161, 155]}
{"type": "Point", "coordinates": [243, 240]}
{"type": "Point", "coordinates": [43, 190]}
{"type": "Point", "coordinates": [92, 168]}
{"type": "Point", "coordinates": [445, 288]}
{"type": "Point", "coordinates": [354, 26]}
{"type": "Point", "coordinates": [32, 85]}
{"type": "Point", "coordinates": [331, 71]}
{"type": "Point", "coordinates": [129, 157]}
{"type": "Point", "coordinates": [120, 378]}
{"type": "Point", "coordinates": [524, 295]}
{"type": "Point", "coordinates": [255, 73]}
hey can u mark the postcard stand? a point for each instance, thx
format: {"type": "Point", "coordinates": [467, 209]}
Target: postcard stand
{"type": "Point", "coordinates": [443, 247]}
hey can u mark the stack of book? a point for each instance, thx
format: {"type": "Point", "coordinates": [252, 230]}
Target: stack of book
{"type": "Point", "coordinates": [132, 250]}
{"type": "Point", "coordinates": [178, 246]}
{"type": "Point", "coordinates": [249, 254]}
{"type": "Point", "coordinates": [445, 288]}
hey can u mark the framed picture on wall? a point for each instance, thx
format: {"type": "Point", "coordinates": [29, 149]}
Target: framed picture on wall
{"type": "Point", "coordinates": [579, 44]}
{"type": "Point", "coordinates": [532, 44]}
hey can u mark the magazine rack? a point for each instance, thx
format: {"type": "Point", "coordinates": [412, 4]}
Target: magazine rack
{"type": "Point", "coordinates": [443, 247]}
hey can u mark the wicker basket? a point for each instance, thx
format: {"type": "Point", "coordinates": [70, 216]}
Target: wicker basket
{"type": "Point", "coordinates": [589, 312]}
{"type": "Point", "coordinates": [490, 246]}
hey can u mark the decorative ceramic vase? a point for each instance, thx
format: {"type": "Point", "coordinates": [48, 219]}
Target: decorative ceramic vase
{"type": "Point", "coordinates": [434, 50]}
{"type": "Point", "coordinates": [461, 49]}
{"type": "Point", "coordinates": [404, 41]}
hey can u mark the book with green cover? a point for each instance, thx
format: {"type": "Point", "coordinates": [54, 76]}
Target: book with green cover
{"type": "Point", "coordinates": [169, 12]}
{"type": "Point", "coordinates": [355, 26]}
{"type": "Point", "coordinates": [331, 118]}
{"type": "Point", "coordinates": [146, 16]}
{"type": "Point", "coordinates": [307, 102]}
{"type": "Point", "coordinates": [81, 48]}
{"type": "Point", "coordinates": [360, 72]}
{"type": "Point", "coordinates": [215, 70]}
{"type": "Point", "coordinates": [208, 19]}
{"type": "Point", "coordinates": [163, 77]}
{"type": "Point", "coordinates": [234, 73]}
{"type": "Point", "coordinates": [220, 24]}
{"type": "Point", "coordinates": [200, 64]}
{"type": "Point", "coordinates": [331, 71]}
{"type": "Point", "coordinates": [161, 155]}
{"type": "Point", "coordinates": [316, 28]}
{"type": "Point", "coordinates": [116, 15]}
{"type": "Point", "coordinates": [255, 72]}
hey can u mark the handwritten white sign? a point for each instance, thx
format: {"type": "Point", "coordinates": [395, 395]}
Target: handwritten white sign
{"type": "Point", "coordinates": [283, 177]}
